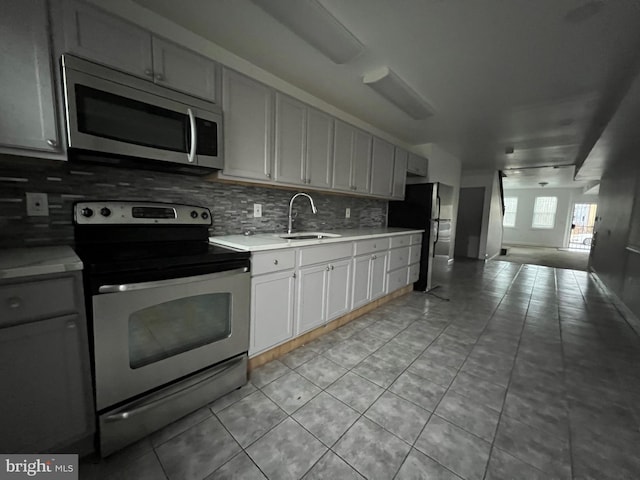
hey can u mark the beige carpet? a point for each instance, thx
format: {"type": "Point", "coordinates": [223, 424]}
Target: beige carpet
{"type": "Point", "coordinates": [550, 257]}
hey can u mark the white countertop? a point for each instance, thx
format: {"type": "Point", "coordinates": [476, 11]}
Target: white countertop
{"type": "Point", "coordinates": [271, 241]}
{"type": "Point", "coordinates": [24, 262]}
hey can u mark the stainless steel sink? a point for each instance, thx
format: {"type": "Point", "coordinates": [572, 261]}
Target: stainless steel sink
{"type": "Point", "coordinates": [307, 235]}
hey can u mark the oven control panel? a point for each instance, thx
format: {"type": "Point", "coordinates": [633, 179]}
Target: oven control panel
{"type": "Point", "coordinates": [139, 213]}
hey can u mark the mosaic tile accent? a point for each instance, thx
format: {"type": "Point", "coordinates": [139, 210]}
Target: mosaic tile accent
{"type": "Point", "coordinates": [231, 205]}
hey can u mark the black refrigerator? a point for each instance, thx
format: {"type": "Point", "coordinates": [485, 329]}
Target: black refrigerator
{"type": "Point", "coordinates": [428, 206]}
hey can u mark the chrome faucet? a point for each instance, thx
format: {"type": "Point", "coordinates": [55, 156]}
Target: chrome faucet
{"type": "Point", "coordinates": [313, 208]}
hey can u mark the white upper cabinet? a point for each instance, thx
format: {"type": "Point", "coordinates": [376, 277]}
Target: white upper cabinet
{"type": "Point", "coordinates": [28, 118]}
{"type": "Point", "coordinates": [382, 168]}
{"type": "Point", "coordinates": [96, 35]}
{"type": "Point", "coordinates": [417, 165]}
{"type": "Point", "coordinates": [319, 149]}
{"type": "Point", "coordinates": [184, 70]}
{"type": "Point", "coordinates": [248, 126]}
{"type": "Point", "coordinates": [291, 135]}
{"type": "Point", "coordinates": [399, 173]}
{"type": "Point", "coordinates": [351, 159]}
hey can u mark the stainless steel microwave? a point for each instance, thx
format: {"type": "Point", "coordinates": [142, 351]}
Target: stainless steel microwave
{"type": "Point", "coordinates": [118, 116]}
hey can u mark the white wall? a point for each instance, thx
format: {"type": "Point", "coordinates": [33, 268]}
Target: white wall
{"type": "Point", "coordinates": [491, 232]}
{"type": "Point", "coordinates": [445, 168]}
{"type": "Point", "coordinates": [558, 236]}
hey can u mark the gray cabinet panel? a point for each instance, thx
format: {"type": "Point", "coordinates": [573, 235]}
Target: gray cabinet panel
{"type": "Point", "coordinates": [338, 286]}
{"type": "Point", "coordinates": [272, 299]}
{"type": "Point", "coordinates": [28, 118]}
{"type": "Point", "coordinates": [42, 366]}
{"type": "Point", "coordinates": [342, 153]}
{"type": "Point", "coordinates": [290, 140]}
{"type": "Point", "coordinates": [417, 165]}
{"type": "Point", "coordinates": [184, 70]}
{"type": "Point", "coordinates": [382, 168]}
{"type": "Point", "coordinates": [361, 162]}
{"type": "Point", "coordinates": [319, 148]}
{"type": "Point", "coordinates": [248, 118]}
{"type": "Point", "coordinates": [98, 36]}
{"type": "Point", "coordinates": [399, 173]}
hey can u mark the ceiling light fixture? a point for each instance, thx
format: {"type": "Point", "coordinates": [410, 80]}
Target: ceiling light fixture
{"type": "Point", "coordinates": [314, 24]}
{"type": "Point", "coordinates": [389, 85]}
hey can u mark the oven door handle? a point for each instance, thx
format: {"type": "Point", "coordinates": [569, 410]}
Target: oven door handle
{"type": "Point", "coordinates": [147, 404]}
{"type": "Point", "coordinates": [128, 287]}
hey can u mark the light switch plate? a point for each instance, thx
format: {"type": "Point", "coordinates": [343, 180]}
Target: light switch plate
{"type": "Point", "coordinates": [37, 204]}
{"type": "Point", "coordinates": [347, 213]}
{"type": "Point", "coordinates": [257, 210]}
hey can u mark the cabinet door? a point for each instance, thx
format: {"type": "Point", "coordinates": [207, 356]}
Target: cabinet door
{"type": "Point", "coordinates": [417, 165]}
{"type": "Point", "coordinates": [290, 137]}
{"type": "Point", "coordinates": [399, 173]}
{"type": "Point", "coordinates": [342, 154]}
{"type": "Point", "coordinates": [272, 299]}
{"type": "Point", "coordinates": [361, 162]}
{"type": "Point", "coordinates": [361, 281]}
{"type": "Point", "coordinates": [382, 168]}
{"type": "Point", "coordinates": [98, 36]}
{"type": "Point", "coordinates": [319, 149]}
{"type": "Point", "coordinates": [311, 311]}
{"type": "Point", "coordinates": [338, 287]}
{"type": "Point", "coordinates": [181, 69]}
{"type": "Point", "coordinates": [46, 396]}
{"type": "Point", "coordinates": [248, 120]}
{"type": "Point", "coordinates": [378, 274]}
{"type": "Point", "coordinates": [28, 118]}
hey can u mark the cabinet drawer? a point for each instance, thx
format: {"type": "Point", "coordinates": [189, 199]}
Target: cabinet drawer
{"type": "Point", "coordinates": [20, 302]}
{"type": "Point", "coordinates": [398, 257]}
{"type": "Point", "coordinates": [397, 279]}
{"type": "Point", "coordinates": [325, 253]}
{"type": "Point", "coordinates": [272, 261]}
{"type": "Point", "coordinates": [416, 239]}
{"type": "Point", "coordinates": [414, 253]}
{"type": "Point", "coordinates": [368, 246]}
{"type": "Point", "coordinates": [414, 273]}
{"type": "Point", "coordinates": [400, 241]}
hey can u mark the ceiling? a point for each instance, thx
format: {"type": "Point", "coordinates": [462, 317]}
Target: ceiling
{"type": "Point", "coordinates": [541, 76]}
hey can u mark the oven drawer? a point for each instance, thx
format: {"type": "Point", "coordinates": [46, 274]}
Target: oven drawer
{"type": "Point", "coordinates": [273, 261]}
{"type": "Point", "coordinates": [24, 302]}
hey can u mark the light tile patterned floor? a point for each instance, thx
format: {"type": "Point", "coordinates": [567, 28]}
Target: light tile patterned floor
{"type": "Point", "coordinates": [526, 373]}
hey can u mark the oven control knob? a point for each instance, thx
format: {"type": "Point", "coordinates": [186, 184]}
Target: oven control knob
{"type": "Point", "coordinates": [204, 215]}
{"type": "Point", "coordinates": [86, 212]}
{"type": "Point", "coordinates": [105, 212]}
{"type": "Point", "coordinates": [194, 214]}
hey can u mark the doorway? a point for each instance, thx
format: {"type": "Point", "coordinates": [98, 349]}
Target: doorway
{"type": "Point", "coordinates": [469, 229]}
{"type": "Point", "coordinates": [582, 223]}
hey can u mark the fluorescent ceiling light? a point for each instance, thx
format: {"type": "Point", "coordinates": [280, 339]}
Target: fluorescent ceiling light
{"type": "Point", "coordinates": [314, 24]}
{"type": "Point", "coordinates": [388, 84]}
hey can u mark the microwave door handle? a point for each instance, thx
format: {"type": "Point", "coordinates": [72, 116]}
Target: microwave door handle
{"type": "Point", "coordinates": [194, 136]}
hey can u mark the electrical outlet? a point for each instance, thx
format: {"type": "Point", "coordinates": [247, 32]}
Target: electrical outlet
{"type": "Point", "coordinates": [257, 210]}
{"type": "Point", "coordinates": [37, 204]}
{"type": "Point", "coordinates": [347, 213]}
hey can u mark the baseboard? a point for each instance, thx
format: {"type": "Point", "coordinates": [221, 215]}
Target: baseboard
{"type": "Point", "coordinates": [450, 261]}
{"type": "Point", "coordinates": [492, 257]}
{"type": "Point", "coordinates": [625, 312]}
{"type": "Point", "coordinates": [280, 350]}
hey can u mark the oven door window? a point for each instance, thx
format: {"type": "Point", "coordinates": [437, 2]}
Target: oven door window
{"type": "Point", "coordinates": [177, 326]}
{"type": "Point", "coordinates": [103, 114]}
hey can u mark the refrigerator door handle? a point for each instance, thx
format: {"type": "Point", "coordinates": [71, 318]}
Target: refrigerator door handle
{"type": "Point", "coordinates": [437, 222]}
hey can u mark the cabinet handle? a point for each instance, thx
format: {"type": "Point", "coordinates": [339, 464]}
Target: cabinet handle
{"type": "Point", "coordinates": [52, 143]}
{"type": "Point", "coordinates": [14, 302]}
{"type": "Point", "coordinates": [332, 267]}
{"type": "Point", "coordinates": [294, 275]}
{"type": "Point", "coordinates": [71, 324]}
{"type": "Point", "coordinates": [268, 175]}
{"type": "Point", "coordinates": [159, 77]}
{"type": "Point", "coordinates": [275, 262]}
{"type": "Point", "coordinates": [374, 256]}
{"type": "Point", "coordinates": [308, 180]}
{"type": "Point", "coordinates": [327, 269]}
{"type": "Point", "coordinates": [148, 72]}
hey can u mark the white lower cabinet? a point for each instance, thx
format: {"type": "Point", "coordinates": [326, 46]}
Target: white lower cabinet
{"type": "Point", "coordinates": [272, 297]}
{"type": "Point", "coordinates": [311, 297]}
{"type": "Point", "coordinates": [338, 286]}
{"type": "Point", "coordinates": [369, 278]}
{"type": "Point", "coordinates": [378, 274]}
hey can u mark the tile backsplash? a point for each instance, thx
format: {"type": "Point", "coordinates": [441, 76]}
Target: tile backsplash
{"type": "Point", "coordinates": [231, 205]}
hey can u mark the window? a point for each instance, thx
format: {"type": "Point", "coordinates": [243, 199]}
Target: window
{"type": "Point", "coordinates": [544, 212]}
{"type": "Point", "coordinates": [510, 209]}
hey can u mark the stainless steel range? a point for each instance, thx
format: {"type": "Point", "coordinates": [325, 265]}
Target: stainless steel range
{"type": "Point", "coordinates": [169, 314]}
